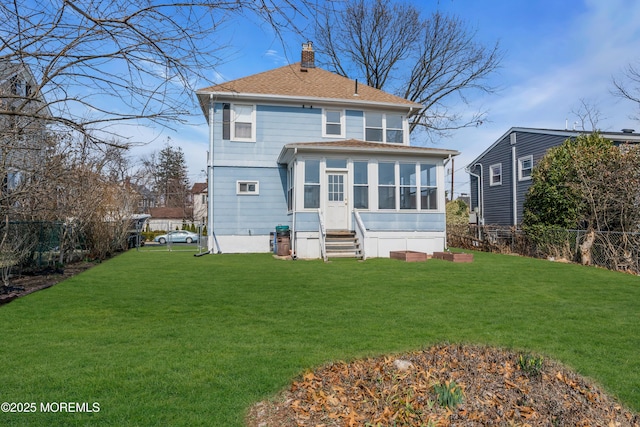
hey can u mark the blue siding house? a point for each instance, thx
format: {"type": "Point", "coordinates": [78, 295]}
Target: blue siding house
{"type": "Point", "coordinates": [501, 176]}
{"type": "Point", "coordinates": [302, 147]}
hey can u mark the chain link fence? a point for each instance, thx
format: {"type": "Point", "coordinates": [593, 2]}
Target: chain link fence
{"type": "Point", "coordinates": [612, 250]}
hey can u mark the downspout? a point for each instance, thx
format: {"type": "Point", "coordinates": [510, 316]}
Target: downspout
{"type": "Point", "coordinates": [480, 197]}
{"type": "Point", "coordinates": [294, 244]}
{"type": "Point", "coordinates": [514, 194]}
{"type": "Point", "coordinates": [444, 163]}
{"type": "Point", "coordinates": [210, 235]}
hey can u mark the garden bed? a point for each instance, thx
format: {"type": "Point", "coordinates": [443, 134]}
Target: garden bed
{"type": "Point", "coordinates": [408, 256]}
{"type": "Point", "coordinates": [453, 257]}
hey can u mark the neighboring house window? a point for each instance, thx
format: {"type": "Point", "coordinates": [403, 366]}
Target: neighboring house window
{"type": "Point", "coordinates": [495, 174]}
{"type": "Point", "coordinates": [386, 186]}
{"type": "Point", "coordinates": [384, 128]}
{"type": "Point", "coordinates": [333, 125]}
{"type": "Point", "coordinates": [360, 185]}
{"type": "Point", "coordinates": [204, 198]}
{"type": "Point", "coordinates": [243, 123]}
{"type": "Point", "coordinates": [408, 186]}
{"type": "Point", "coordinates": [428, 187]}
{"type": "Point", "coordinates": [312, 184]}
{"type": "Point", "coordinates": [525, 167]}
{"type": "Point", "coordinates": [247, 188]}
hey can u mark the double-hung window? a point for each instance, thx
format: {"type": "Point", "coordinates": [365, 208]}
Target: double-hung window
{"type": "Point", "coordinates": [290, 187]}
{"type": "Point", "coordinates": [360, 185]}
{"type": "Point", "coordinates": [374, 130]}
{"type": "Point", "coordinates": [333, 125]}
{"type": "Point", "coordinates": [381, 127]}
{"type": "Point", "coordinates": [408, 186]}
{"type": "Point", "coordinates": [495, 174]}
{"type": "Point", "coordinates": [428, 187]}
{"type": "Point", "coordinates": [239, 122]}
{"type": "Point", "coordinates": [312, 184]}
{"type": "Point", "coordinates": [394, 129]}
{"type": "Point", "coordinates": [525, 167]}
{"type": "Point", "coordinates": [386, 186]}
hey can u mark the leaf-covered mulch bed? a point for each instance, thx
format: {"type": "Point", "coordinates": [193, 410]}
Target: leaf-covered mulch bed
{"type": "Point", "coordinates": [28, 283]}
{"type": "Point", "coordinates": [498, 388]}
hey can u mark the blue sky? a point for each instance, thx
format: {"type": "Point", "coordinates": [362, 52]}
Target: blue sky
{"type": "Point", "coordinates": [555, 54]}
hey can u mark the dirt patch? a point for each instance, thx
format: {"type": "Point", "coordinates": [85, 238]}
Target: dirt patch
{"type": "Point", "coordinates": [29, 283]}
{"type": "Point", "coordinates": [495, 387]}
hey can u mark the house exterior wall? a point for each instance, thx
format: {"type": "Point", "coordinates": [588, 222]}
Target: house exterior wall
{"type": "Point", "coordinates": [243, 222]}
{"type": "Point", "coordinates": [498, 201]}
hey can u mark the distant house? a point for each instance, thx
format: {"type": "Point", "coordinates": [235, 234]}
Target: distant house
{"type": "Point", "coordinates": [327, 156]}
{"type": "Point", "coordinates": [199, 196]}
{"type": "Point", "coordinates": [501, 176]}
{"type": "Point", "coordinates": [167, 219]}
{"type": "Point", "coordinates": [23, 121]}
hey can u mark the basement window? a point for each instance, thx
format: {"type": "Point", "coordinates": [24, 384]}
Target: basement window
{"type": "Point", "coordinates": [246, 188]}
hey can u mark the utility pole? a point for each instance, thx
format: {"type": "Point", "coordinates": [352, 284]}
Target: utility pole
{"type": "Point", "coordinates": [452, 170]}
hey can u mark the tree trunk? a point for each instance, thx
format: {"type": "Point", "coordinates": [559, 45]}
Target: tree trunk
{"type": "Point", "coordinates": [585, 247]}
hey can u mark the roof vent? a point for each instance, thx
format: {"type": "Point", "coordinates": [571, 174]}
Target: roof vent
{"type": "Point", "coordinates": [628, 130]}
{"type": "Point", "coordinates": [308, 56]}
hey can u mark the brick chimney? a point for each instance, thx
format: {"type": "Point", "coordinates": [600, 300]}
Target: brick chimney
{"type": "Point", "coordinates": [308, 56]}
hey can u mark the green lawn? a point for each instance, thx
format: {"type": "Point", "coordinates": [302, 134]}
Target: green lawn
{"type": "Point", "coordinates": [166, 338]}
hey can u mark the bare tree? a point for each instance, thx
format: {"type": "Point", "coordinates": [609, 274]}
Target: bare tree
{"type": "Point", "coordinates": [435, 61]}
{"type": "Point", "coordinates": [102, 64]}
{"type": "Point", "coordinates": [628, 87]}
{"type": "Point", "coordinates": [588, 115]}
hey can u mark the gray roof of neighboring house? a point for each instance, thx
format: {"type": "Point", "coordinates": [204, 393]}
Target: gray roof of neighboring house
{"type": "Point", "coordinates": [624, 137]}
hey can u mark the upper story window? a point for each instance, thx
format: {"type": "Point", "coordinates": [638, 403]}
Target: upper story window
{"type": "Point", "coordinates": [495, 174]}
{"type": "Point", "coordinates": [525, 167]}
{"type": "Point", "coordinates": [380, 127]}
{"type": "Point", "coordinates": [239, 122]}
{"type": "Point", "coordinates": [333, 123]}
{"type": "Point", "coordinates": [243, 122]}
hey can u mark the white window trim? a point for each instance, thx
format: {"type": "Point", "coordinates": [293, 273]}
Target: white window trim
{"type": "Point", "coordinates": [491, 182]}
{"type": "Point", "coordinates": [520, 161]}
{"type": "Point", "coordinates": [342, 123]}
{"type": "Point", "coordinates": [233, 123]}
{"type": "Point", "coordinates": [384, 128]}
{"type": "Point", "coordinates": [248, 193]}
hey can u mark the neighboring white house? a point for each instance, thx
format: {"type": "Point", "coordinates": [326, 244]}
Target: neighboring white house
{"type": "Point", "coordinates": [23, 121]}
{"type": "Point", "coordinates": [199, 197]}
{"type": "Point", "coordinates": [328, 157]}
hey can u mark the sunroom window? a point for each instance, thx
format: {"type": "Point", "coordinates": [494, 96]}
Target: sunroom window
{"type": "Point", "coordinates": [360, 185]}
{"type": "Point", "coordinates": [386, 186]}
{"type": "Point", "coordinates": [312, 184]}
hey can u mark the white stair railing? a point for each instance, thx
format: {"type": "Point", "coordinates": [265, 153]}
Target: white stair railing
{"type": "Point", "coordinates": [323, 234]}
{"type": "Point", "coordinates": [361, 233]}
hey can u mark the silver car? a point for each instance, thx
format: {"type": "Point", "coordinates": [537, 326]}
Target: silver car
{"type": "Point", "coordinates": [178, 236]}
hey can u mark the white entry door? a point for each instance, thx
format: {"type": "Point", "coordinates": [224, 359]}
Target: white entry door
{"type": "Point", "coordinates": [337, 212]}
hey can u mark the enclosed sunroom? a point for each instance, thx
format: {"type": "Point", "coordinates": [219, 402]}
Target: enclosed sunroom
{"type": "Point", "coordinates": [387, 197]}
